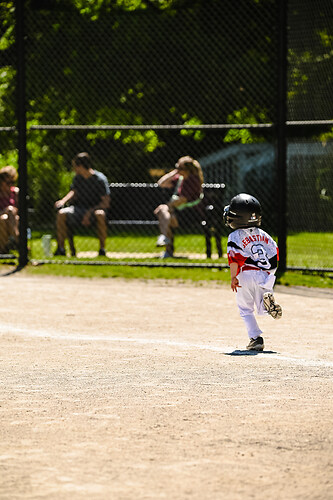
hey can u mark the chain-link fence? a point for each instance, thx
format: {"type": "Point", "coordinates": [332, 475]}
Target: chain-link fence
{"type": "Point", "coordinates": [139, 86]}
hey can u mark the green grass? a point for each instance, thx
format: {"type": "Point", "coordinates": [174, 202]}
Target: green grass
{"type": "Point", "coordinates": [304, 249]}
{"type": "Point", "coordinates": [129, 272]}
{"type": "Point", "coordinates": [125, 243]}
{"type": "Point", "coordinates": [310, 250]}
{"type": "Point", "coordinates": [190, 275]}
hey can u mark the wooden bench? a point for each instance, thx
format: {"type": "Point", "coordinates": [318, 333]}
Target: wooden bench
{"type": "Point", "coordinates": [133, 204]}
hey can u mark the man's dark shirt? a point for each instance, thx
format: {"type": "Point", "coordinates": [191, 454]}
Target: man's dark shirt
{"type": "Point", "coordinates": [88, 192]}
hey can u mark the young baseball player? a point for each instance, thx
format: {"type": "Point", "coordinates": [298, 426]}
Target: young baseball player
{"type": "Point", "coordinates": [253, 257]}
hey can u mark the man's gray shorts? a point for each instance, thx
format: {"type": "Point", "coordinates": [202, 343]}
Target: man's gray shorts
{"type": "Point", "coordinates": [74, 215]}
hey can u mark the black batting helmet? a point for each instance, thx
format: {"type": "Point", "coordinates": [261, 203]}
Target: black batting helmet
{"type": "Point", "coordinates": [244, 211]}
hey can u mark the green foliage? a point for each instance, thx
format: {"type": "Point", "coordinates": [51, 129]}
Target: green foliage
{"type": "Point", "coordinates": [55, 179]}
{"type": "Point", "coordinates": [197, 135]}
{"type": "Point", "coordinates": [95, 9]}
{"type": "Point", "coordinates": [7, 15]}
{"type": "Point", "coordinates": [122, 62]}
{"type": "Point", "coordinates": [310, 63]}
{"type": "Point", "coordinates": [8, 159]}
{"type": "Point", "coordinates": [7, 96]}
{"type": "Point", "coordinates": [325, 137]}
{"type": "Point", "coordinates": [245, 135]}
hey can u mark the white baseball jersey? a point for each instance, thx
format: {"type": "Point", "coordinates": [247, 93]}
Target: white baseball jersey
{"type": "Point", "coordinates": [253, 248]}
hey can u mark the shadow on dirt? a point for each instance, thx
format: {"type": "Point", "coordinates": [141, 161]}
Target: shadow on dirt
{"type": "Point", "coordinates": [11, 271]}
{"type": "Point", "coordinates": [238, 352]}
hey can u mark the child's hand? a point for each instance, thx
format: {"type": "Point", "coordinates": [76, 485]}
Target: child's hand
{"type": "Point", "coordinates": [235, 284]}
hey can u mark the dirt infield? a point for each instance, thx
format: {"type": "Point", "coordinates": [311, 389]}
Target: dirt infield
{"type": "Point", "coordinates": [142, 390]}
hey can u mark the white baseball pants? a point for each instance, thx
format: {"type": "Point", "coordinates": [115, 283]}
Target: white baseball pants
{"type": "Point", "coordinates": [253, 286]}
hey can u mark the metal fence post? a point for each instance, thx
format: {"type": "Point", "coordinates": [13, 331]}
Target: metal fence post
{"type": "Point", "coordinates": [281, 133]}
{"type": "Point", "coordinates": [22, 133]}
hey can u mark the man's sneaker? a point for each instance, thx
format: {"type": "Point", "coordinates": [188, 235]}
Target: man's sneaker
{"type": "Point", "coordinates": [256, 344]}
{"type": "Point", "coordinates": [271, 307]}
{"type": "Point", "coordinates": [60, 251]}
{"type": "Point", "coordinates": [101, 252]}
{"type": "Point", "coordinates": [162, 240]}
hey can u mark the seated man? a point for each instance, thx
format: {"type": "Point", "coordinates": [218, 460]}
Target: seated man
{"type": "Point", "coordinates": [90, 197]}
{"type": "Point", "coordinates": [186, 179]}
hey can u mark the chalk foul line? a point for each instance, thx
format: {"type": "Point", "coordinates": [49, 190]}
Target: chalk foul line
{"type": "Point", "coordinates": [7, 329]}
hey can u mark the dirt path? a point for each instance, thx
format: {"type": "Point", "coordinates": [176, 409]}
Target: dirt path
{"type": "Point", "coordinates": [132, 390]}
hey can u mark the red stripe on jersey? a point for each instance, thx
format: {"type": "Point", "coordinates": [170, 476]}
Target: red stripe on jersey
{"type": "Point", "coordinates": [236, 257]}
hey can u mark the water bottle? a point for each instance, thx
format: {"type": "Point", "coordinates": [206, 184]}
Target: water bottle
{"type": "Point", "coordinates": [46, 243]}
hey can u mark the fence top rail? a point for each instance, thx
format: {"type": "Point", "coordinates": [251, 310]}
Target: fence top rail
{"type": "Point", "coordinates": [216, 126]}
{"type": "Point", "coordinates": [212, 126]}
{"type": "Point", "coordinates": [153, 185]}
{"type": "Point", "coordinates": [153, 127]}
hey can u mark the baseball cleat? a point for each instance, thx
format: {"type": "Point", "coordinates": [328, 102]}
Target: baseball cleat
{"type": "Point", "coordinates": [271, 307]}
{"type": "Point", "coordinates": [256, 344]}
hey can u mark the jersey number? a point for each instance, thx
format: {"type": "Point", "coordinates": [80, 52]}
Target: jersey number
{"type": "Point", "coordinates": [260, 256]}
